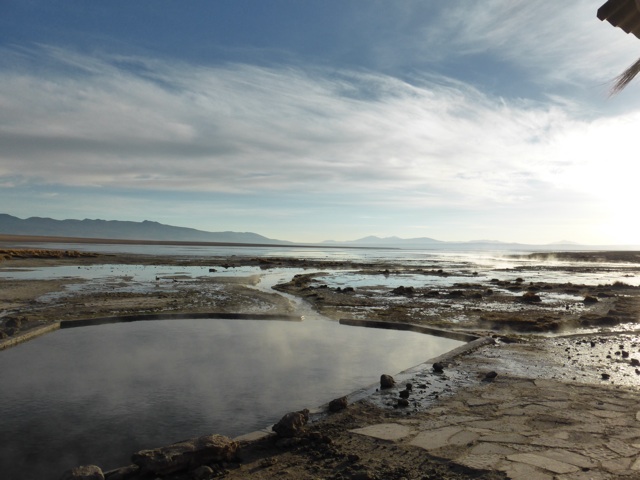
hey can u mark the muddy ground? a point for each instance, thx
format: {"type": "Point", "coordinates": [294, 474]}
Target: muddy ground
{"type": "Point", "coordinates": [508, 310]}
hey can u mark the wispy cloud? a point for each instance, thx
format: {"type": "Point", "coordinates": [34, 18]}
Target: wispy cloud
{"type": "Point", "coordinates": [133, 124]}
{"type": "Point", "coordinates": [553, 42]}
{"type": "Point", "coordinates": [241, 128]}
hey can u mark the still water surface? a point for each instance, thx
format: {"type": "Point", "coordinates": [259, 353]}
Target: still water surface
{"type": "Point", "coordinates": [94, 395]}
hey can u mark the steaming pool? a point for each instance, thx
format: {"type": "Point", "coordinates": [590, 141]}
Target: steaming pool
{"type": "Point", "coordinates": [94, 395]}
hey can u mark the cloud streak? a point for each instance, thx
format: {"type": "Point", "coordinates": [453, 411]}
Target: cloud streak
{"type": "Point", "coordinates": [241, 128]}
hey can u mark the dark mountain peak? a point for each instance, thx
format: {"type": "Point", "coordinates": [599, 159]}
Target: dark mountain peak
{"type": "Point", "coordinates": [122, 230]}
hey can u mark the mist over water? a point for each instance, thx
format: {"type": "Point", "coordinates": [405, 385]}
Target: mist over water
{"type": "Point", "coordinates": [97, 394]}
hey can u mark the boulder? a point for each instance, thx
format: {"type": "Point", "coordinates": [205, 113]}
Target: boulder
{"type": "Point", "coordinates": [84, 472]}
{"type": "Point", "coordinates": [292, 424]}
{"type": "Point", "coordinates": [386, 381]}
{"type": "Point", "coordinates": [338, 404]}
{"type": "Point", "coordinates": [186, 455]}
{"type": "Point", "coordinates": [438, 367]}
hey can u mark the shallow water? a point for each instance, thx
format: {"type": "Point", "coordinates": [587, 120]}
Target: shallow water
{"type": "Point", "coordinates": [97, 394]}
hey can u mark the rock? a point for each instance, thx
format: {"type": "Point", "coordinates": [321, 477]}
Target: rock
{"type": "Point", "coordinates": [386, 381]}
{"type": "Point", "coordinates": [438, 367]}
{"type": "Point", "coordinates": [590, 299]}
{"type": "Point", "coordinates": [203, 472]}
{"type": "Point", "coordinates": [84, 472]}
{"type": "Point", "coordinates": [403, 402]}
{"type": "Point", "coordinates": [186, 455]}
{"type": "Point", "coordinates": [291, 424]}
{"type": "Point", "coordinates": [212, 270]}
{"type": "Point", "coordinates": [122, 473]}
{"type": "Point", "coordinates": [531, 297]}
{"type": "Point", "coordinates": [13, 322]}
{"type": "Point", "coordinates": [402, 290]}
{"type": "Point", "coordinates": [490, 375]}
{"type": "Point", "coordinates": [606, 376]}
{"type": "Point", "coordinates": [635, 362]}
{"type": "Point", "coordinates": [409, 387]}
{"type": "Point", "coordinates": [625, 354]}
{"type": "Point", "coordinates": [338, 404]}
{"type": "Point", "coordinates": [404, 394]}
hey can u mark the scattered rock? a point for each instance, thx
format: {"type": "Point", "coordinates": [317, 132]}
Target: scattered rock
{"type": "Point", "coordinates": [531, 297]}
{"type": "Point", "coordinates": [338, 404]}
{"type": "Point", "coordinates": [590, 299]}
{"type": "Point", "coordinates": [13, 322]}
{"type": "Point", "coordinates": [386, 381]}
{"type": "Point", "coordinates": [84, 472]}
{"type": "Point", "coordinates": [438, 367]}
{"type": "Point", "coordinates": [606, 376]}
{"type": "Point", "coordinates": [404, 393]}
{"type": "Point", "coordinates": [402, 290]}
{"type": "Point", "coordinates": [490, 375]}
{"type": "Point", "coordinates": [403, 402]}
{"type": "Point", "coordinates": [291, 424]}
{"type": "Point", "coordinates": [635, 362]}
{"type": "Point", "coordinates": [186, 455]}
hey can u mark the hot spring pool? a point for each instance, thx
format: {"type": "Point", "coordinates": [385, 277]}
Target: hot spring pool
{"type": "Point", "coordinates": [94, 395]}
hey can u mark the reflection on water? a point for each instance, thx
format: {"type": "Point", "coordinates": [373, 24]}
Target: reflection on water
{"type": "Point", "coordinates": [97, 394]}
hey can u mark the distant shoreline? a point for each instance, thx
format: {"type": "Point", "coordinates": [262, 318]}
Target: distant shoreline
{"type": "Point", "coordinates": [6, 238]}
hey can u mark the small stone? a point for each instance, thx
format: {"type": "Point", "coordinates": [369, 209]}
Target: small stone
{"type": "Point", "coordinates": [404, 394]}
{"type": "Point", "coordinates": [438, 367]}
{"type": "Point", "coordinates": [490, 375]}
{"type": "Point", "coordinates": [386, 381]}
{"type": "Point", "coordinates": [338, 404]}
{"type": "Point", "coordinates": [84, 472]}
{"type": "Point", "coordinates": [606, 376]}
{"type": "Point", "coordinates": [291, 424]}
{"type": "Point", "coordinates": [403, 402]}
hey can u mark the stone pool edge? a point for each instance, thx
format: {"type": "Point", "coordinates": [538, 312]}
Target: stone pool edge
{"type": "Point", "coordinates": [86, 322]}
{"type": "Point", "coordinates": [473, 342]}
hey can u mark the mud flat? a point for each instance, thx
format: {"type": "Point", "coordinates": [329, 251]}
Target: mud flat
{"type": "Point", "coordinates": [555, 397]}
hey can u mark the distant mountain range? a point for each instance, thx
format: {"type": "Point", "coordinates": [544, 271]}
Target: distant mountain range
{"type": "Point", "coordinates": [158, 232]}
{"type": "Point", "coordinates": [121, 230]}
{"type": "Point", "coordinates": [431, 243]}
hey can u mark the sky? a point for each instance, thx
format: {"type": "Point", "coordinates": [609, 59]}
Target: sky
{"type": "Point", "coordinates": [323, 120]}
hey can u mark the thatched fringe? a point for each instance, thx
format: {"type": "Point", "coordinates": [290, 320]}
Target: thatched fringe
{"type": "Point", "coordinates": [625, 78]}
